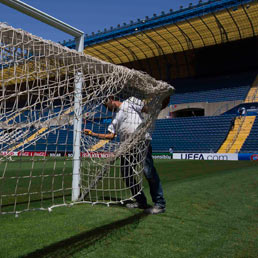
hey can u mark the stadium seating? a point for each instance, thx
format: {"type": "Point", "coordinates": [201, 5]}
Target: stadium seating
{"type": "Point", "coordinates": [54, 142]}
{"type": "Point", "coordinates": [62, 140]}
{"type": "Point", "coordinates": [191, 134]}
{"type": "Point", "coordinates": [251, 143]}
{"type": "Point", "coordinates": [212, 89]}
{"type": "Point", "coordinates": [188, 134]}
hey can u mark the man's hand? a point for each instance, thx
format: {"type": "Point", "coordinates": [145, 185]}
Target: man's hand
{"type": "Point", "coordinates": [87, 131]}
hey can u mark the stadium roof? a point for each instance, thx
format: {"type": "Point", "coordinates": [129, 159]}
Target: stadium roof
{"type": "Point", "coordinates": [210, 23]}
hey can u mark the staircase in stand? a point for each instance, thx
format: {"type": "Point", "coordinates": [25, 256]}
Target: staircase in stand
{"type": "Point", "coordinates": [237, 135]}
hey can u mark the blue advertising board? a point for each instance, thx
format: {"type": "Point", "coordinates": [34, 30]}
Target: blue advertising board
{"type": "Point", "coordinates": [248, 156]}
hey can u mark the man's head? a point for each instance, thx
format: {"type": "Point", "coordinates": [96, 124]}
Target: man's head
{"type": "Point", "coordinates": [111, 104]}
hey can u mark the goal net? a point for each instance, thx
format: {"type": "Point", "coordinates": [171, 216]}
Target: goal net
{"type": "Point", "coordinates": [37, 114]}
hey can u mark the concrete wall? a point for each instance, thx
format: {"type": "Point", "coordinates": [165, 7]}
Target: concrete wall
{"type": "Point", "coordinates": [164, 113]}
{"type": "Point", "coordinates": [210, 109]}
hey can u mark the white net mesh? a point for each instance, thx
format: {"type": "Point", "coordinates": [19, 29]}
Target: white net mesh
{"type": "Point", "coordinates": [36, 124]}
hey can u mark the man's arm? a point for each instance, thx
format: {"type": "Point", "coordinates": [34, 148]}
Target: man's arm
{"type": "Point", "coordinates": [107, 136]}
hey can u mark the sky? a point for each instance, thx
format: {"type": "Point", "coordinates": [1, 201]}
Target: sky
{"type": "Point", "coordinates": [86, 15]}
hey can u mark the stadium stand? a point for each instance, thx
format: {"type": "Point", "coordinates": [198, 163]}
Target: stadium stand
{"type": "Point", "coordinates": [61, 141]}
{"type": "Point", "coordinates": [191, 134]}
{"type": "Point", "coordinates": [207, 51]}
{"type": "Point", "coordinates": [213, 89]}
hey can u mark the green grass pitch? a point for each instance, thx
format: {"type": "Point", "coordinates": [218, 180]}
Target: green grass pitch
{"type": "Point", "coordinates": [212, 209]}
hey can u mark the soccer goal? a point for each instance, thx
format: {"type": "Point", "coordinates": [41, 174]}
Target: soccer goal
{"type": "Point", "coordinates": [39, 106]}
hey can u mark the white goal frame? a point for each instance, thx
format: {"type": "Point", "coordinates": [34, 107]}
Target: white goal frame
{"type": "Point", "coordinates": [79, 39]}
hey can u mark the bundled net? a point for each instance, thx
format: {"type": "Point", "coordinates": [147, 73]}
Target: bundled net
{"type": "Point", "coordinates": [37, 114]}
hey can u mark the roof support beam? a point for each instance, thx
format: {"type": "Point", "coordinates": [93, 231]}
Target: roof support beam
{"type": "Point", "coordinates": [230, 14]}
{"type": "Point", "coordinates": [140, 49]}
{"type": "Point", "coordinates": [209, 29]}
{"type": "Point", "coordinates": [154, 55]}
{"type": "Point", "coordinates": [168, 75]}
{"type": "Point", "coordinates": [182, 47]}
{"type": "Point", "coordinates": [129, 50]}
{"type": "Point", "coordinates": [252, 26]}
{"type": "Point", "coordinates": [223, 33]}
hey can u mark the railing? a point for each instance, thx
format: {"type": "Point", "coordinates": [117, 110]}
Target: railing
{"type": "Point", "coordinates": [255, 94]}
{"type": "Point", "coordinates": [227, 106]}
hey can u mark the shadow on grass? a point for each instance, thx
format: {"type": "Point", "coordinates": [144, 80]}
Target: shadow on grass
{"type": "Point", "coordinates": [87, 240]}
{"type": "Point", "coordinates": [35, 200]}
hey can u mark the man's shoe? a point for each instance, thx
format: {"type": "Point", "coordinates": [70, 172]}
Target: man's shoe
{"type": "Point", "coordinates": [155, 210]}
{"type": "Point", "coordinates": [136, 205]}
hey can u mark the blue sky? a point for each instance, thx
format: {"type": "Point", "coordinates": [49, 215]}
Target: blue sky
{"type": "Point", "coordinates": [87, 15]}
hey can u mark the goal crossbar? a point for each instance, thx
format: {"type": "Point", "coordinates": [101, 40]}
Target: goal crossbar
{"type": "Point", "coordinates": [43, 17]}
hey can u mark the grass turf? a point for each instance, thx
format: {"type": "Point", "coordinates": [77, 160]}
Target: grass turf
{"type": "Point", "coordinates": [211, 212]}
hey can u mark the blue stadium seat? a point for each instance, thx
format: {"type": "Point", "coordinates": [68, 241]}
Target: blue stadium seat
{"type": "Point", "coordinates": [190, 134]}
{"type": "Point", "coordinates": [212, 89]}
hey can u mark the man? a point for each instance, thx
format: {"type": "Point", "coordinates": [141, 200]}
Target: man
{"type": "Point", "coordinates": [171, 151]}
{"type": "Point", "coordinates": [127, 119]}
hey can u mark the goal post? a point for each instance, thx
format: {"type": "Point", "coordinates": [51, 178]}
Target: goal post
{"type": "Point", "coordinates": [77, 124]}
{"type": "Point", "coordinates": [49, 95]}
